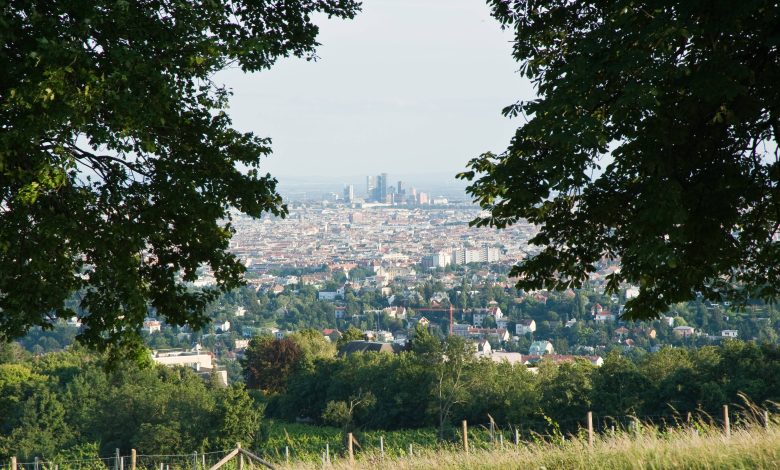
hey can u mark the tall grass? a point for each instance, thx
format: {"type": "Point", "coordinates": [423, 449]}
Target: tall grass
{"type": "Point", "coordinates": [698, 446]}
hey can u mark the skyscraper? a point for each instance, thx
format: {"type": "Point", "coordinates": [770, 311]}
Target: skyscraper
{"type": "Point", "coordinates": [370, 187]}
{"type": "Point", "coordinates": [349, 193]}
{"type": "Point", "coordinates": [381, 187]}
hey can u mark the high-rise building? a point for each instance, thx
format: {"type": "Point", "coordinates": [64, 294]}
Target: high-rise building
{"type": "Point", "coordinates": [400, 188]}
{"type": "Point", "coordinates": [381, 187]}
{"type": "Point", "coordinates": [370, 187]}
{"type": "Point", "coordinates": [349, 193]}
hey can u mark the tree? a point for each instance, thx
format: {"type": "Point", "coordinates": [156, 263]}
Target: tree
{"type": "Point", "coordinates": [269, 362]}
{"type": "Point", "coordinates": [653, 141]}
{"type": "Point", "coordinates": [452, 378]}
{"type": "Point", "coordinates": [342, 413]}
{"type": "Point", "coordinates": [118, 163]}
{"type": "Point", "coordinates": [350, 334]}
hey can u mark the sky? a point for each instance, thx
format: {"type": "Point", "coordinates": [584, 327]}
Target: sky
{"type": "Point", "coordinates": [408, 87]}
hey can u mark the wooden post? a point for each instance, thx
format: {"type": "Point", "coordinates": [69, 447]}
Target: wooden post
{"type": "Point", "coordinates": [13, 463]}
{"type": "Point", "coordinates": [349, 449]}
{"type": "Point", "coordinates": [382, 447]}
{"type": "Point", "coordinates": [501, 440]}
{"type": "Point", "coordinates": [327, 452]}
{"type": "Point", "coordinates": [766, 421]}
{"type": "Point", "coordinates": [287, 455]}
{"type": "Point", "coordinates": [517, 437]}
{"type": "Point", "coordinates": [411, 454]}
{"type": "Point", "coordinates": [162, 467]}
{"type": "Point", "coordinates": [36, 461]}
{"type": "Point", "coordinates": [133, 459]}
{"type": "Point", "coordinates": [590, 429]}
{"type": "Point", "coordinates": [240, 457]}
{"type": "Point", "coordinates": [203, 460]}
{"type": "Point", "coordinates": [194, 461]}
{"type": "Point", "coordinates": [726, 423]}
{"type": "Point", "coordinates": [465, 436]}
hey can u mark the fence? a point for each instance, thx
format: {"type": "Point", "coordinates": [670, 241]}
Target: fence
{"type": "Point", "coordinates": [487, 436]}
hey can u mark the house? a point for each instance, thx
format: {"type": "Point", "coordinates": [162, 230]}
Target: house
{"type": "Point", "coordinates": [683, 331]}
{"type": "Point", "coordinates": [482, 313]}
{"type": "Point", "coordinates": [222, 327]}
{"type": "Point", "coordinates": [395, 312]}
{"type": "Point", "coordinates": [483, 348]}
{"type": "Point", "coordinates": [384, 336]}
{"type": "Point", "coordinates": [423, 321]}
{"type": "Point", "coordinates": [540, 348]}
{"type": "Point", "coordinates": [570, 323]}
{"type": "Point", "coordinates": [327, 295]}
{"type": "Point", "coordinates": [621, 332]}
{"type": "Point", "coordinates": [279, 334]}
{"type": "Point", "coordinates": [600, 314]}
{"type": "Point", "coordinates": [499, 334]}
{"type": "Point", "coordinates": [369, 346]}
{"type": "Point", "coordinates": [240, 344]}
{"type": "Point", "coordinates": [525, 326]}
{"type": "Point", "coordinates": [331, 334]}
{"type": "Point", "coordinates": [729, 333]}
{"type": "Point", "coordinates": [240, 312]}
{"type": "Point", "coordinates": [151, 325]}
{"type": "Point", "coordinates": [510, 357]}
{"type": "Point", "coordinates": [202, 362]}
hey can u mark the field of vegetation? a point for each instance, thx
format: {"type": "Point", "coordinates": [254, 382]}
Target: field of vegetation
{"type": "Point", "coordinates": [697, 447]}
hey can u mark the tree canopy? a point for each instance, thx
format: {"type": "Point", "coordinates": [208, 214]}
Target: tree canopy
{"type": "Point", "coordinates": [118, 163]}
{"type": "Point", "coordinates": [653, 140]}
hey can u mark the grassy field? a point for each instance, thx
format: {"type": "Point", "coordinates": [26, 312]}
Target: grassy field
{"type": "Point", "coordinates": [702, 447]}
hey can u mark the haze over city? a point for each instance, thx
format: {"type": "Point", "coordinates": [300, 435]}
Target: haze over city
{"type": "Point", "coordinates": [411, 87]}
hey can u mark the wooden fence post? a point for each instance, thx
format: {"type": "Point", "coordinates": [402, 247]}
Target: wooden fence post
{"type": "Point", "coordinates": [382, 447]}
{"type": "Point", "coordinates": [116, 460]}
{"type": "Point", "coordinates": [465, 436]}
{"type": "Point", "coordinates": [327, 452]}
{"type": "Point", "coordinates": [194, 461]}
{"type": "Point", "coordinates": [517, 437]}
{"type": "Point", "coordinates": [133, 459]}
{"type": "Point", "coordinates": [590, 429]}
{"type": "Point", "coordinates": [13, 463]}
{"type": "Point", "coordinates": [240, 457]}
{"type": "Point", "coordinates": [726, 423]}
{"type": "Point", "coordinates": [287, 455]}
{"type": "Point", "coordinates": [411, 453]}
{"type": "Point", "coordinates": [349, 449]}
{"type": "Point", "coordinates": [766, 419]}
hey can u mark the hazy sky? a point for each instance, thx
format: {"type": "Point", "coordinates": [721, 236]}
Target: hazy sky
{"type": "Point", "coordinates": [407, 87]}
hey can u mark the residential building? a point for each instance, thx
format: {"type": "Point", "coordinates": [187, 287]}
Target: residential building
{"type": "Point", "coordinates": [525, 326]}
{"type": "Point", "coordinates": [540, 348]}
{"type": "Point", "coordinates": [683, 331]}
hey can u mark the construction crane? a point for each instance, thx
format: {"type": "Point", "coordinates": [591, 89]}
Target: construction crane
{"type": "Point", "coordinates": [451, 310]}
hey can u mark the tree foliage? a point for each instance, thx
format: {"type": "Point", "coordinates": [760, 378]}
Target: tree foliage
{"type": "Point", "coordinates": [269, 362]}
{"type": "Point", "coordinates": [653, 140]}
{"type": "Point", "coordinates": [118, 164]}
